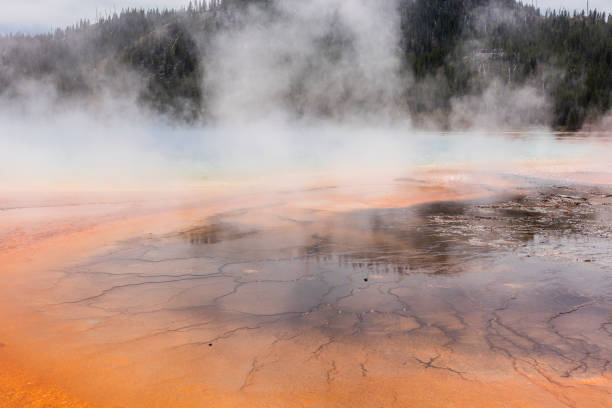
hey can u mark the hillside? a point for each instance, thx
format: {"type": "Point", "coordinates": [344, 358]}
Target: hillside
{"type": "Point", "coordinates": [447, 51]}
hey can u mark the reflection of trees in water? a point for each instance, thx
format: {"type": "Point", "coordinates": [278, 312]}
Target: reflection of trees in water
{"type": "Point", "coordinates": [441, 237]}
{"type": "Point", "coordinates": [393, 240]}
{"type": "Point", "coordinates": [215, 233]}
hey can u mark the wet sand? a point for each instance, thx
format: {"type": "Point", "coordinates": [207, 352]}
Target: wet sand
{"type": "Point", "coordinates": [439, 289]}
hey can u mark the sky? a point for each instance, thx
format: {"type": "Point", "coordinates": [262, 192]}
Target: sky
{"type": "Point", "coordinates": [33, 16]}
{"type": "Point", "coordinates": [29, 16]}
{"type": "Point", "coordinates": [602, 5]}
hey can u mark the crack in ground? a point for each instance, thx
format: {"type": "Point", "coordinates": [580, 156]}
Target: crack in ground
{"type": "Point", "coordinates": [430, 364]}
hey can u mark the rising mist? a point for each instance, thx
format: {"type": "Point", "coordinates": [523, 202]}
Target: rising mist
{"type": "Point", "coordinates": [255, 87]}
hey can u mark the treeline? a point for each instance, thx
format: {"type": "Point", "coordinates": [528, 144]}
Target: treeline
{"type": "Point", "coordinates": [467, 43]}
{"type": "Point", "coordinates": [449, 49]}
{"type": "Point", "coordinates": [576, 49]}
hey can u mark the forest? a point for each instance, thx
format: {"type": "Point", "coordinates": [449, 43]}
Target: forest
{"type": "Point", "coordinates": [447, 49]}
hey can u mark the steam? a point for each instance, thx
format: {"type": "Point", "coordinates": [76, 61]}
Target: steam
{"type": "Point", "coordinates": [316, 87]}
{"type": "Point", "coordinates": [501, 107]}
{"type": "Point", "coordinates": [337, 58]}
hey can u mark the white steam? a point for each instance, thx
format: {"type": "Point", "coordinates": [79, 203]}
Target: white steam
{"type": "Point", "coordinates": [334, 59]}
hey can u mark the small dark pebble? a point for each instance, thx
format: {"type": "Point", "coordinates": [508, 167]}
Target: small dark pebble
{"type": "Point", "coordinates": [209, 344]}
{"type": "Point", "coordinates": [365, 279]}
{"type": "Point", "coordinates": [588, 260]}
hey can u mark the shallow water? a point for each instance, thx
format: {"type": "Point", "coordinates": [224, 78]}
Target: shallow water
{"type": "Point", "coordinates": [278, 305]}
{"type": "Point", "coordinates": [444, 286]}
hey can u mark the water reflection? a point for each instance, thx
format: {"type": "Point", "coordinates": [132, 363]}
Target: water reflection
{"type": "Point", "coordinates": [438, 237]}
{"type": "Point", "coordinates": [290, 297]}
{"type": "Point", "coordinates": [215, 232]}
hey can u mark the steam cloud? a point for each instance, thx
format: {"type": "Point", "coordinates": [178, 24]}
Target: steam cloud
{"type": "Point", "coordinates": [342, 55]}
{"type": "Point", "coordinates": [315, 85]}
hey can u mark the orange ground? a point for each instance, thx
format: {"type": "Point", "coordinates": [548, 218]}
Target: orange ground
{"type": "Point", "coordinates": [41, 364]}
